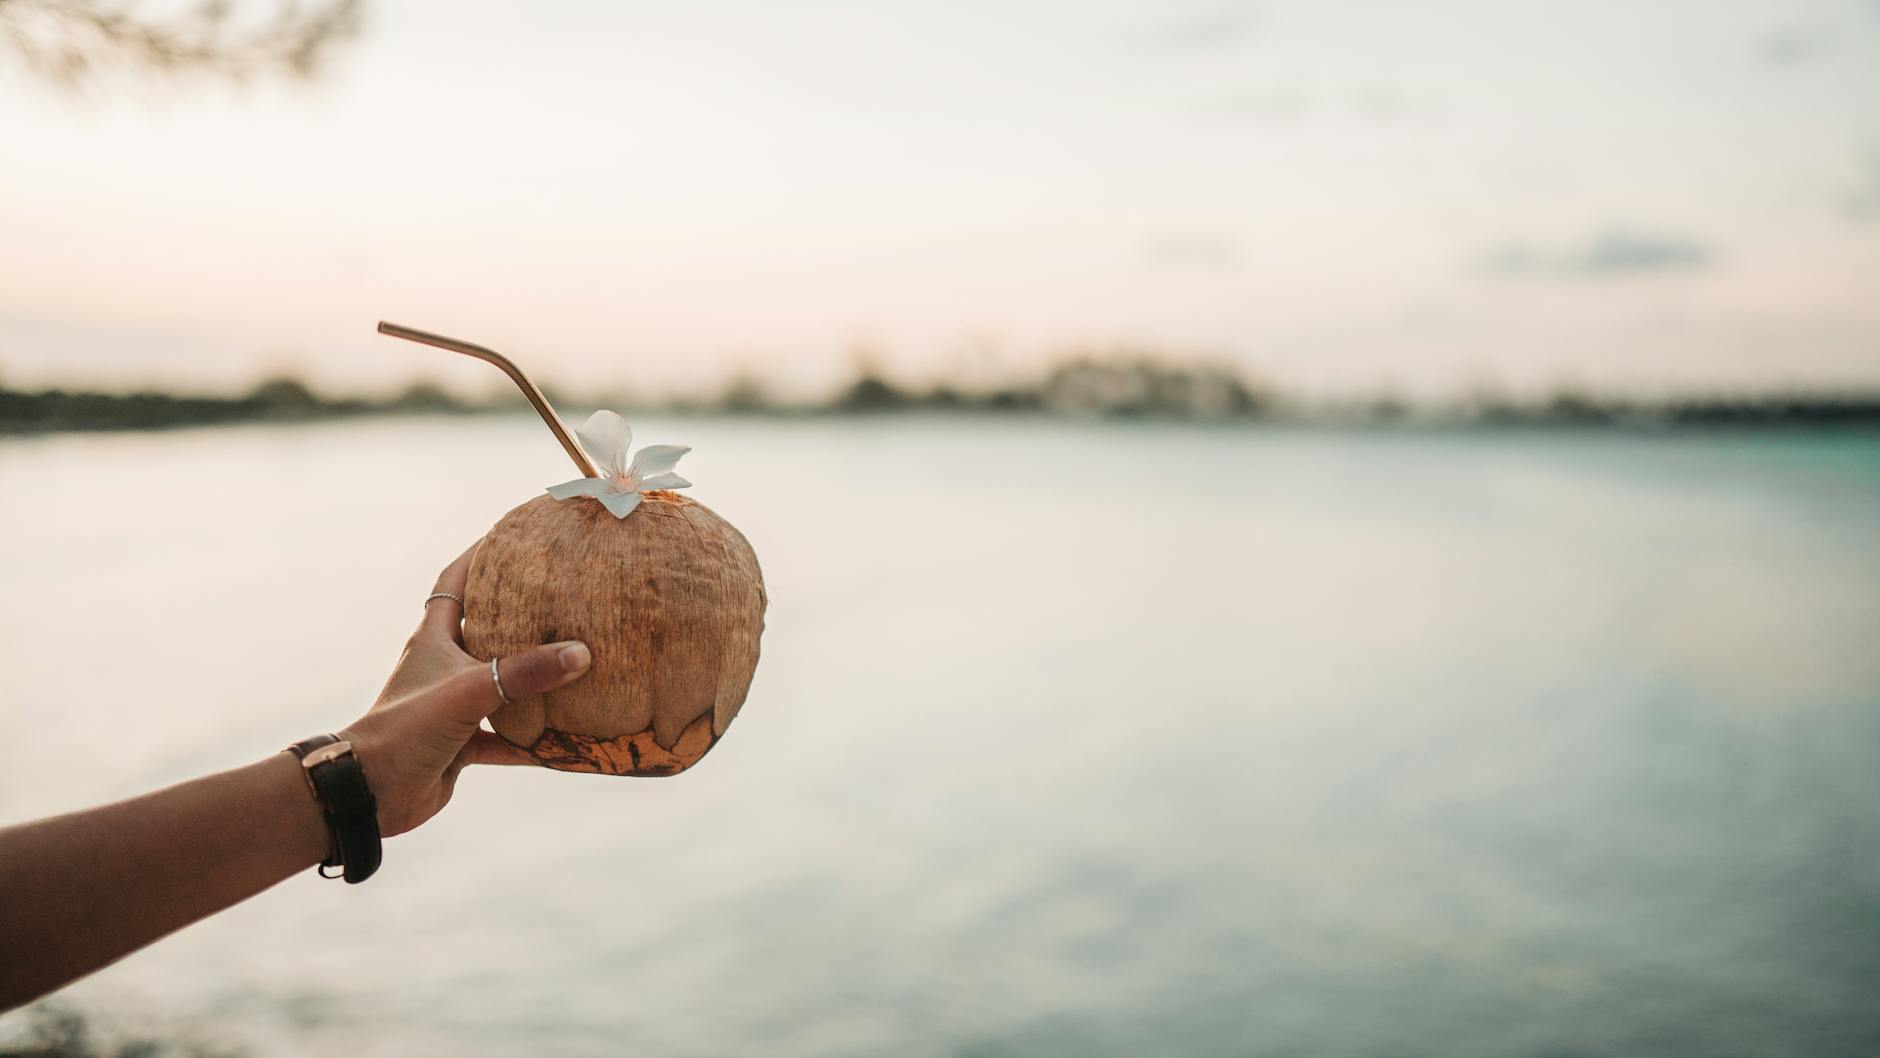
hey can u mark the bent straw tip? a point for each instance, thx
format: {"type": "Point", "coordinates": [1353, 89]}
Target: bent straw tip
{"type": "Point", "coordinates": [508, 367]}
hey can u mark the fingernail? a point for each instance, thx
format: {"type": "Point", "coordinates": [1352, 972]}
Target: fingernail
{"type": "Point", "coordinates": [574, 656]}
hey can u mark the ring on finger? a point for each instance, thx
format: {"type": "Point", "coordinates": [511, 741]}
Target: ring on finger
{"type": "Point", "coordinates": [497, 678]}
{"type": "Point", "coordinates": [451, 595]}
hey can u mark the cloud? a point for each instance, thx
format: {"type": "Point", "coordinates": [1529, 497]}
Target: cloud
{"type": "Point", "coordinates": [1257, 106]}
{"type": "Point", "coordinates": [1793, 45]}
{"type": "Point", "coordinates": [1611, 253]}
{"type": "Point", "coordinates": [1376, 104]}
{"type": "Point", "coordinates": [1863, 200]}
{"type": "Point", "coordinates": [1202, 31]}
{"type": "Point", "coordinates": [1382, 103]}
{"type": "Point", "coordinates": [1192, 251]}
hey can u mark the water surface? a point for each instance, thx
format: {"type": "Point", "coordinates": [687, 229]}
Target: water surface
{"type": "Point", "coordinates": [1067, 740]}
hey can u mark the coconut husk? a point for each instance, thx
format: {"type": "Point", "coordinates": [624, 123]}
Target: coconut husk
{"type": "Point", "coordinates": [669, 599]}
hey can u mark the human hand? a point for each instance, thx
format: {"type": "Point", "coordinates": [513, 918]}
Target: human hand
{"type": "Point", "coordinates": [426, 725]}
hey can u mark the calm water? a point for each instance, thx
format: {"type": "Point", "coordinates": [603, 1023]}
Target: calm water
{"type": "Point", "coordinates": [1067, 740]}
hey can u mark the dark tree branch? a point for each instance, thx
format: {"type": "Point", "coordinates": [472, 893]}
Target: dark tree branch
{"type": "Point", "coordinates": [71, 40]}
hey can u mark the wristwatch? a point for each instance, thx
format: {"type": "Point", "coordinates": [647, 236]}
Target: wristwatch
{"type": "Point", "coordinates": [346, 802]}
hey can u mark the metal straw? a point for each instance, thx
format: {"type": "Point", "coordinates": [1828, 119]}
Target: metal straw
{"type": "Point", "coordinates": [528, 388]}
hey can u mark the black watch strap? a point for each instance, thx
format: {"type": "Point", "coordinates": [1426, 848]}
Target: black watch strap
{"type": "Point", "coordinates": [351, 812]}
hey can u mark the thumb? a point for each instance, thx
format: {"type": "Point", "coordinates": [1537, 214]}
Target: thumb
{"type": "Point", "coordinates": [525, 672]}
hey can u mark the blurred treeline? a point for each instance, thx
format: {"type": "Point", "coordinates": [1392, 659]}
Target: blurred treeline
{"type": "Point", "coordinates": [1110, 385]}
{"type": "Point", "coordinates": [53, 1030]}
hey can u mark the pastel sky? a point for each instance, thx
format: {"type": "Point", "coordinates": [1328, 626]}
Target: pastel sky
{"type": "Point", "coordinates": [1342, 196]}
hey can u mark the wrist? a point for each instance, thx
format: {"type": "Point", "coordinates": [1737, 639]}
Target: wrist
{"type": "Point", "coordinates": [370, 754]}
{"type": "Point", "coordinates": [346, 804]}
{"type": "Point", "coordinates": [305, 827]}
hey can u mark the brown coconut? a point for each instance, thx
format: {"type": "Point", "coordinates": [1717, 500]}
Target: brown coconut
{"type": "Point", "coordinates": [669, 599]}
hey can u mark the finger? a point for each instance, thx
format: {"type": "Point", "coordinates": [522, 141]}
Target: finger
{"type": "Point", "coordinates": [487, 747]}
{"type": "Point", "coordinates": [525, 672]}
{"type": "Point", "coordinates": [445, 616]}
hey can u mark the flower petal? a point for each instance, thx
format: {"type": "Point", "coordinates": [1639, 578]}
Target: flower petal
{"type": "Point", "coordinates": [654, 460]}
{"type": "Point", "coordinates": [580, 487]}
{"type": "Point", "coordinates": [665, 481]}
{"type": "Point", "coordinates": [606, 437]}
{"type": "Point", "coordinates": [620, 504]}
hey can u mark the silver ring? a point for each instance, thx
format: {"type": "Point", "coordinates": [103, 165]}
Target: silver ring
{"type": "Point", "coordinates": [451, 595]}
{"type": "Point", "coordinates": [497, 679]}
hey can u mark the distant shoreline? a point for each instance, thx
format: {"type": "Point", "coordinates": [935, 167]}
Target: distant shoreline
{"type": "Point", "coordinates": [1090, 388]}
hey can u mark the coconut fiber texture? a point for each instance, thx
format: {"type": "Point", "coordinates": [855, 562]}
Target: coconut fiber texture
{"type": "Point", "coordinates": [669, 599]}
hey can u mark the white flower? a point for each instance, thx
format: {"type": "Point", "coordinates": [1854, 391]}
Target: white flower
{"type": "Point", "coordinates": [606, 437]}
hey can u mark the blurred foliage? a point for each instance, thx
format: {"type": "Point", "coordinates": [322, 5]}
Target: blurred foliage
{"type": "Point", "coordinates": [1141, 384]}
{"type": "Point", "coordinates": [70, 41]}
{"type": "Point", "coordinates": [746, 392]}
{"type": "Point", "coordinates": [274, 399]}
{"type": "Point", "coordinates": [1123, 385]}
{"type": "Point", "coordinates": [57, 1031]}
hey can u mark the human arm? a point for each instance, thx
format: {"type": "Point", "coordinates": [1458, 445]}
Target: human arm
{"type": "Point", "coordinates": [82, 890]}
